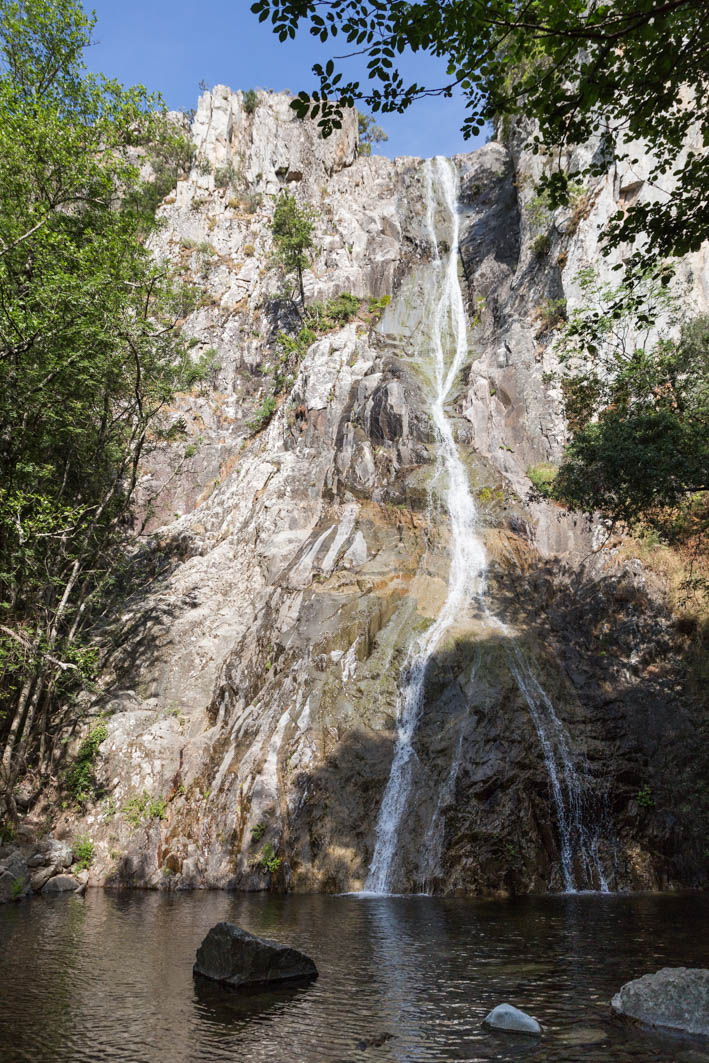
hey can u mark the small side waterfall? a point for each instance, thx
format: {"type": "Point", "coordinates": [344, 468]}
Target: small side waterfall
{"type": "Point", "coordinates": [465, 593]}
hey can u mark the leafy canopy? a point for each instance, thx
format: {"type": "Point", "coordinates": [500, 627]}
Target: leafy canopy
{"type": "Point", "coordinates": [90, 351]}
{"type": "Point", "coordinates": [638, 408]}
{"type": "Point", "coordinates": [620, 70]}
{"type": "Point", "coordinates": [292, 231]}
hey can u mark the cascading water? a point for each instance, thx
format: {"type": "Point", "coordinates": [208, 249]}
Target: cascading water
{"type": "Point", "coordinates": [466, 585]}
{"type": "Point", "coordinates": [467, 568]}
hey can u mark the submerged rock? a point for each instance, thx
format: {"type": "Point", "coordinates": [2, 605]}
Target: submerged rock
{"type": "Point", "coordinates": [510, 1019]}
{"type": "Point", "coordinates": [236, 958]}
{"type": "Point", "coordinates": [674, 997]}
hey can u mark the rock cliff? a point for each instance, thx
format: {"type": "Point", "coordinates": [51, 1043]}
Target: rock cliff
{"type": "Point", "coordinates": [251, 683]}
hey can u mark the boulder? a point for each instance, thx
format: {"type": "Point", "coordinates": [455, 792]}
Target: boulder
{"type": "Point", "coordinates": [236, 958]}
{"type": "Point", "coordinates": [675, 997]}
{"type": "Point", "coordinates": [40, 877]}
{"type": "Point", "coordinates": [51, 852]}
{"type": "Point", "coordinates": [14, 877]}
{"type": "Point", "coordinates": [510, 1019]}
{"type": "Point", "coordinates": [61, 884]}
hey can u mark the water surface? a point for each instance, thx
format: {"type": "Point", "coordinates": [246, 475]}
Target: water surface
{"type": "Point", "coordinates": [109, 977]}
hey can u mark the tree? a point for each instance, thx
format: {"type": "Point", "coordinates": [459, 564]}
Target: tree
{"type": "Point", "coordinates": [292, 230]}
{"type": "Point", "coordinates": [369, 133]}
{"type": "Point", "coordinates": [623, 70]}
{"type": "Point", "coordinates": [89, 356]}
{"type": "Point", "coordinates": [638, 409]}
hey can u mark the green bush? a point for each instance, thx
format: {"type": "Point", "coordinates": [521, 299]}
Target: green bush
{"type": "Point", "coordinates": [543, 476]}
{"type": "Point", "coordinates": [378, 306]}
{"type": "Point", "coordinates": [141, 808]}
{"type": "Point", "coordinates": [257, 832]}
{"type": "Point", "coordinates": [252, 201]}
{"type": "Point", "coordinates": [336, 311]}
{"type": "Point", "coordinates": [81, 776]}
{"type": "Point", "coordinates": [225, 176]}
{"type": "Point", "coordinates": [269, 862]}
{"type": "Point", "coordinates": [17, 888]}
{"type": "Point", "coordinates": [250, 100]}
{"type": "Point", "coordinates": [550, 314]}
{"type": "Point", "coordinates": [264, 414]}
{"type": "Point", "coordinates": [541, 245]}
{"type": "Point", "coordinates": [83, 851]}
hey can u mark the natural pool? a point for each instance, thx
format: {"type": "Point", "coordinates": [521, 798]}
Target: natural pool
{"type": "Point", "coordinates": [108, 977]}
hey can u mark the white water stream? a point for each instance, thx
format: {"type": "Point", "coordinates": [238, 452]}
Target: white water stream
{"type": "Point", "coordinates": [466, 585]}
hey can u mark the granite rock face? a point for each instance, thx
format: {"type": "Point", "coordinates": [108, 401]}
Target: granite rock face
{"type": "Point", "coordinates": [251, 681]}
{"type": "Point", "coordinates": [675, 997]}
{"type": "Point", "coordinates": [240, 960]}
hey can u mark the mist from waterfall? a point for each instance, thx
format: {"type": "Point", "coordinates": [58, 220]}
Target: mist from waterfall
{"type": "Point", "coordinates": [465, 593]}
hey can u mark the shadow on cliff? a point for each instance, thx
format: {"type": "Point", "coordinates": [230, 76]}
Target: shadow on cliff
{"type": "Point", "coordinates": [479, 816]}
{"type": "Point", "coordinates": [141, 609]}
{"type": "Point", "coordinates": [625, 657]}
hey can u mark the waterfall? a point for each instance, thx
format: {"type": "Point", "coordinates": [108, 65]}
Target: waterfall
{"type": "Point", "coordinates": [465, 591]}
{"type": "Point", "coordinates": [467, 567]}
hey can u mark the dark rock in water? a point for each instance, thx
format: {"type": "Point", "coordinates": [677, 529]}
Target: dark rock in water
{"type": "Point", "coordinates": [510, 1019]}
{"type": "Point", "coordinates": [375, 1042]}
{"type": "Point", "coordinates": [675, 997]}
{"type": "Point", "coordinates": [236, 958]}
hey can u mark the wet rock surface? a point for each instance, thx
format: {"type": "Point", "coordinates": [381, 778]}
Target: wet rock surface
{"type": "Point", "coordinates": [240, 960]}
{"type": "Point", "coordinates": [676, 998]}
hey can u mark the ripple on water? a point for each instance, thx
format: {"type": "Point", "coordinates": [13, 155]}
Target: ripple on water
{"type": "Point", "coordinates": [402, 979]}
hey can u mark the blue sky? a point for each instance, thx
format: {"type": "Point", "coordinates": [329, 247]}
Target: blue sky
{"type": "Point", "coordinates": [170, 45]}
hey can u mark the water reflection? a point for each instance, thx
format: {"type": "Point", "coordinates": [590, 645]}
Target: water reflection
{"type": "Point", "coordinates": [402, 979]}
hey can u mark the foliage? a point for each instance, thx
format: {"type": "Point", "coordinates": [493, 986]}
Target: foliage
{"type": "Point", "coordinates": [627, 71]}
{"type": "Point", "coordinates": [258, 831]}
{"type": "Point", "coordinates": [543, 476]}
{"type": "Point", "coordinates": [263, 415]}
{"type": "Point", "coordinates": [81, 776]}
{"type": "Point", "coordinates": [638, 409]}
{"type": "Point", "coordinates": [83, 851]}
{"type": "Point", "coordinates": [225, 176]}
{"type": "Point", "coordinates": [369, 133]}
{"type": "Point", "coordinates": [89, 356]}
{"type": "Point", "coordinates": [250, 98]}
{"type": "Point", "coordinates": [251, 202]}
{"type": "Point", "coordinates": [170, 157]}
{"type": "Point", "coordinates": [541, 245]}
{"type": "Point", "coordinates": [268, 861]}
{"type": "Point", "coordinates": [292, 230]}
{"type": "Point", "coordinates": [550, 314]}
{"type": "Point", "coordinates": [17, 888]}
{"type": "Point", "coordinates": [319, 318]}
{"type": "Point", "coordinates": [335, 312]}
{"type": "Point", "coordinates": [644, 797]}
{"type": "Point", "coordinates": [142, 808]}
{"type": "Point", "coordinates": [378, 306]}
